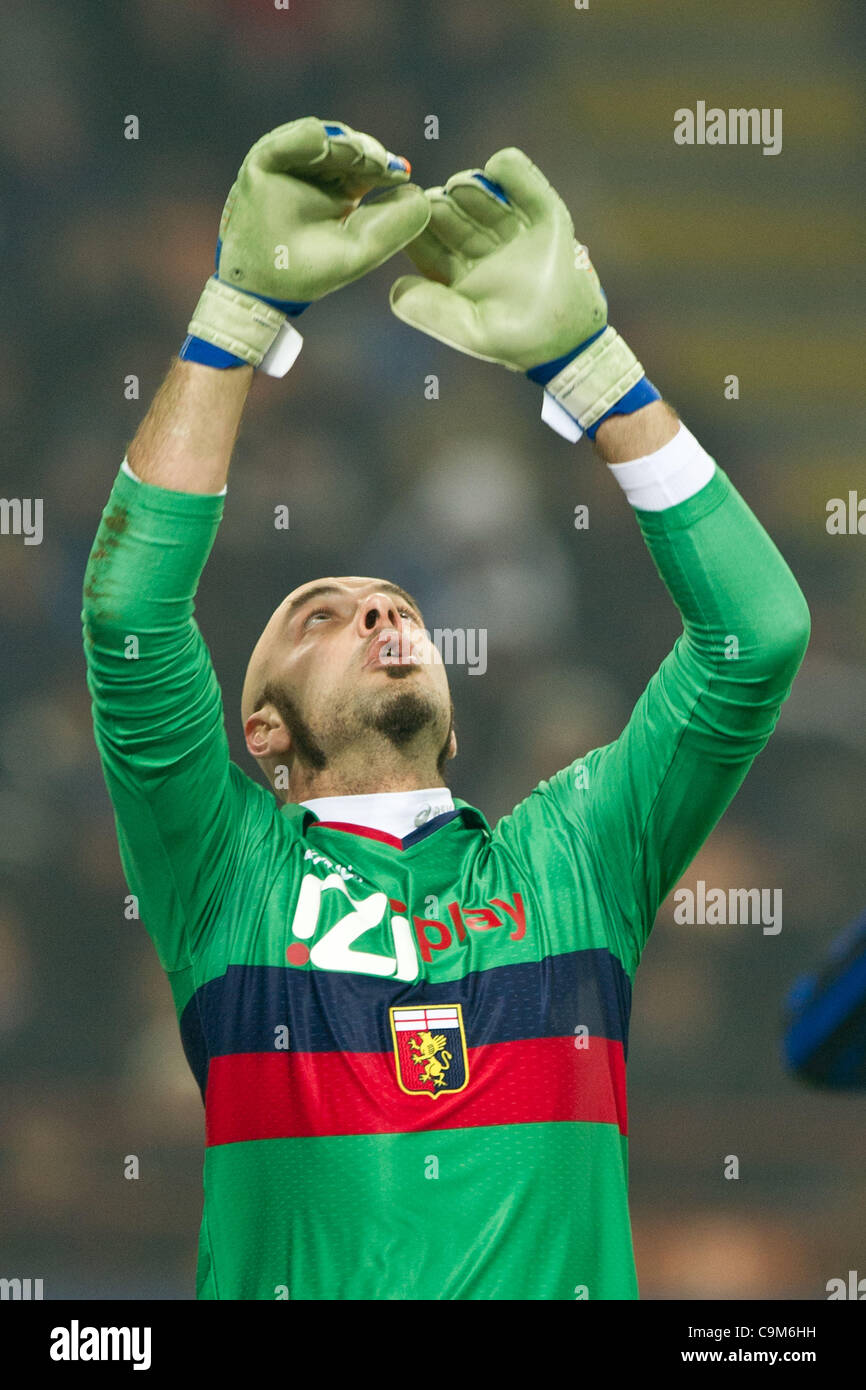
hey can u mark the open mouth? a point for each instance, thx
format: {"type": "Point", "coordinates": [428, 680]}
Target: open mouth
{"type": "Point", "coordinates": [381, 656]}
{"type": "Point", "coordinates": [392, 664]}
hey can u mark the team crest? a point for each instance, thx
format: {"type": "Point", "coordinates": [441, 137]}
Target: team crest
{"type": "Point", "coordinates": [430, 1047]}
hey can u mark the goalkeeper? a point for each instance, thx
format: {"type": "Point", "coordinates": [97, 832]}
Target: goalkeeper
{"type": "Point", "coordinates": [409, 1028]}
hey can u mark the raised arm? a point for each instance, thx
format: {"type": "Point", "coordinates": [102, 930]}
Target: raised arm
{"type": "Point", "coordinates": [182, 810]}
{"type": "Point", "coordinates": [647, 802]}
{"type": "Point", "coordinates": [293, 229]}
{"type": "Point", "coordinates": [185, 441]}
{"type": "Point", "coordinates": [503, 278]}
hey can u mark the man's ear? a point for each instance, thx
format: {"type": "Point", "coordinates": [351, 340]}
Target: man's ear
{"type": "Point", "coordinates": [452, 746]}
{"type": "Point", "coordinates": [266, 734]}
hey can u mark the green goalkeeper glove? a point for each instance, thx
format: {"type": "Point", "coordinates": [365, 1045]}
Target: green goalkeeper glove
{"type": "Point", "coordinates": [504, 279]}
{"type": "Point", "coordinates": [291, 232]}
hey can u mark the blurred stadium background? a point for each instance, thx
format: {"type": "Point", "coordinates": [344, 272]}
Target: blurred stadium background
{"type": "Point", "coordinates": [715, 261]}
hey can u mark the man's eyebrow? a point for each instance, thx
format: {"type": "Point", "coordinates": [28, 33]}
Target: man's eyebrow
{"type": "Point", "coordinates": [319, 591]}
{"type": "Point", "coordinates": [315, 592]}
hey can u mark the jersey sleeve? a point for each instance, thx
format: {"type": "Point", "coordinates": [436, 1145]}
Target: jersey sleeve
{"type": "Point", "coordinates": [184, 812]}
{"type": "Point", "coordinates": [632, 815]}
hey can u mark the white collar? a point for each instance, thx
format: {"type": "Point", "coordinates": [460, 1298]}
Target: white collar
{"type": "Point", "coordinates": [396, 813]}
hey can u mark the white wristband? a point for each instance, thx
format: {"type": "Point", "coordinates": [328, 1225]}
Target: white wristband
{"type": "Point", "coordinates": [283, 351]}
{"type": "Point", "coordinates": [558, 418]}
{"type": "Point", "coordinates": [674, 472]}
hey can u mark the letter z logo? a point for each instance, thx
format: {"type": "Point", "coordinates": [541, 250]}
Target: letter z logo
{"type": "Point", "coordinates": [333, 950]}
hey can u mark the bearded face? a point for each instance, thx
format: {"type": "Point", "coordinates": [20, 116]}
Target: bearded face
{"type": "Point", "coordinates": [347, 664]}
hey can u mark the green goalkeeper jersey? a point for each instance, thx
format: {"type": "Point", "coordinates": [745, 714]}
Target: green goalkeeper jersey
{"type": "Point", "coordinates": [412, 1052]}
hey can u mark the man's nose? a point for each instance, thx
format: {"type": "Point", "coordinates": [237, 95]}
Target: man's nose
{"type": "Point", "coordinates": [379, 611]}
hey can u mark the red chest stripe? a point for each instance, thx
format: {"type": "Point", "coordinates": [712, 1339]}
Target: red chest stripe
{"type": "Point", "coordinates": [282, 1095]}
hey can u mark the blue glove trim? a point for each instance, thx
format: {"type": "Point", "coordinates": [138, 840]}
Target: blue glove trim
{"type": "Point", "coordinates": [291, 307]}
{"type": "Point", "coordinates": [495, 188]}
{"type": "Point", "coordinates": [394, 160]}
{"type": "Point", "coordinates": [642, 393]}
{"type": "Point", "coordinates": [197, 350]}
{"type": "Point", "coordinates": [546, 371]}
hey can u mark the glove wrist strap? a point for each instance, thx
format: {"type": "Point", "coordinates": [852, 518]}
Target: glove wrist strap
{"type": "Point", "coordinates": [236, 326]}
{"type": "Point", "coordinates": [597, 379]}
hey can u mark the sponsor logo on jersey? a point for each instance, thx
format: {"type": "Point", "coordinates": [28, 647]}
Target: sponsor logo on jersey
{"type": "Point", "coordinates": [382, 922]}
{"type": "Point", "coordinates": [430, 1048]}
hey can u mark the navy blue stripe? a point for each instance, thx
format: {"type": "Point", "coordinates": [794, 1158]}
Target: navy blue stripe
{"type": "Point", "coordinates": [340, 1012]}
{"type": "Point", "coordinates": [428, 829]}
